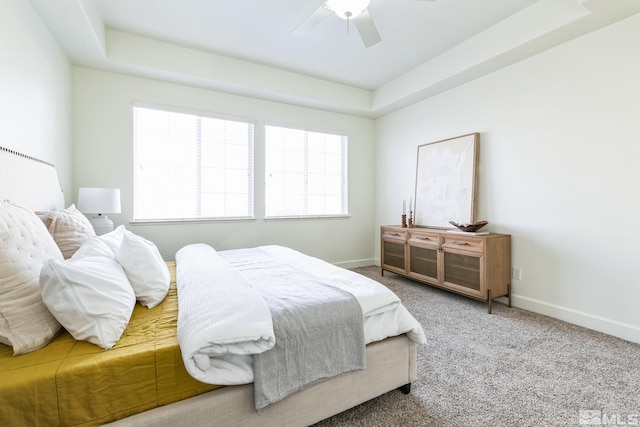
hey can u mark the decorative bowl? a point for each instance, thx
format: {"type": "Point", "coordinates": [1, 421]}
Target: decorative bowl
{"type": "Point", "coordinates": [469, 227]}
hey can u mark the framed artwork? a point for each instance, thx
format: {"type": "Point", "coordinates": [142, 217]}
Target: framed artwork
{"type": "Point", "coordinates": [446, 181]}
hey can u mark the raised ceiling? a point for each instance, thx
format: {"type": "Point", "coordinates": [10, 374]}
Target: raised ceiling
{"type": "Point", "coordinates": [245, 46]}
{"type": "Point", "coordinates": [259, 31]}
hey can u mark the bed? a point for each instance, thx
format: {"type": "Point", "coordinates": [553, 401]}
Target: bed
{"type": "Point", "coordinates": [144, 378]}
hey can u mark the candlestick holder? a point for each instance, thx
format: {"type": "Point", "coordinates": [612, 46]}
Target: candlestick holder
{"type": "Point", "coordinates": [404, 221]}
{"type": "Point", "coordinates": [410, 219]}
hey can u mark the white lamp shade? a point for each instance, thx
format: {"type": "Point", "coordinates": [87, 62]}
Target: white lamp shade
{"type": "Point", "coordinates": [99, 200]}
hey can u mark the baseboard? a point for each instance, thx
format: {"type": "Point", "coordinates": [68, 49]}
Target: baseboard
{"type": "Point", "coordinates": [596, 323]}
{"type": "Point", "coordinates": [580, 318]}
{"type": "Point", "coordinates": [357, 263]}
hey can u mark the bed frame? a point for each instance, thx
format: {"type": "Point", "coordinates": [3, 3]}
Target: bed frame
{"type": "Point", "coordinates": [391, 364]}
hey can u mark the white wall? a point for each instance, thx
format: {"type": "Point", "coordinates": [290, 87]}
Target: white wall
{"type": "Point", "coordinates": [35, 90]}
{"type": "Point", "coordinates": [559, 170]}
{"type": "Point", "coordinates": [103, 157]}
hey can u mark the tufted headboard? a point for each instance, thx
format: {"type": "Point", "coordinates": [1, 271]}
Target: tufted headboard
{"type": "Point", "coordinates": [30, 182]}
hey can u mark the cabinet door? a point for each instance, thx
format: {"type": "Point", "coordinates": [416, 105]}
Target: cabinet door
{"type": "Point", "coordinates": [423, 263]}
{"type": "Point", "coordinates": [423, 255]}
{"type": "Point", "coordinates": [463, 272]}
{"type": "Point", "coordinates": [393, 256]}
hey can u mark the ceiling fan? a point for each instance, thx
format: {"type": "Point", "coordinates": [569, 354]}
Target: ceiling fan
{"type": "Point", "coordinates": [350, 10]}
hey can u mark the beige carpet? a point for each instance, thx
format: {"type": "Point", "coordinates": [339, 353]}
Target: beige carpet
{"type": "Point", "coordinates": [511, 368]}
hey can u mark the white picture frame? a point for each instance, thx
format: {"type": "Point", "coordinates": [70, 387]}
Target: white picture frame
{"type": "Point", "coordinates": [446, 176]}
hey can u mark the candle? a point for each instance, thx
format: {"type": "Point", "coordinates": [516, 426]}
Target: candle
{"type": "Point", "coordinates": [404, 207]}
{"type": "Point", "coordinates": [410, 200]}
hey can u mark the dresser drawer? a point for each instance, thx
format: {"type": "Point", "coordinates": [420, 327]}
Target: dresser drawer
{"type": "Point", "coordinates": [394, 234]}
{"type": "Point", "coordinates": [463, 243]}
{"type": "Point", "coordinates": [423, 239]}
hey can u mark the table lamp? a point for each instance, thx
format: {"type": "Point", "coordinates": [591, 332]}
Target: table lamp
{"type": "Point", "coordinates": [99, 201]}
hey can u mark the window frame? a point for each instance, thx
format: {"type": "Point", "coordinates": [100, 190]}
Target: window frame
{"type": "Point", "coordinates": [250, 165]}
{"type": "Point", "coordinates": [344, 171]}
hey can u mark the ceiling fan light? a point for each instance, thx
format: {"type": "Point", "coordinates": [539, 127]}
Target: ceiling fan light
{"type": "Point", "coordinates": [347, 9]}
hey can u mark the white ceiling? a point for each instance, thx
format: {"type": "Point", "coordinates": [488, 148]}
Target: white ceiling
{"type": "Point", "coordinates": [245, 46]}
{"type": "Point", "coordinates": [259, 31]}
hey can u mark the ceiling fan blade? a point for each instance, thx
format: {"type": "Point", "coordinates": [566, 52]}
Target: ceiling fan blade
{"type": "Point", "coordinates": [311, 21]}
{"type": "Point", "coordinates": [367, 29]}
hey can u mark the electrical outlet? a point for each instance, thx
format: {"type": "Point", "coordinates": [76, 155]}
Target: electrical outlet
{"type": "Point", "coordinates": [516, 273]}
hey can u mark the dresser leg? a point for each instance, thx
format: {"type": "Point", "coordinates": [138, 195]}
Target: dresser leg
{"type": "Point", "coordinates": [490, 300]}
{"type": "Point", "coordinates": [509, 290]}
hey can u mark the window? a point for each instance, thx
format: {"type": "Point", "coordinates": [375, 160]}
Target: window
{"type": "Point", "coordinates": [189, 166]}
{"type": "Point", "coordinates": [306, 173]}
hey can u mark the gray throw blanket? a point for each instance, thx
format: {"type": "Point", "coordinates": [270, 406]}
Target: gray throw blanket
{"type": "Point", "coordinates": [319, 334]}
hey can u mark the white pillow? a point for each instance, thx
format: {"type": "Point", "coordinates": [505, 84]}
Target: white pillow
{"type": "Point", "coordinates": [91, 297]}
{"type": "Point", "coordinates": [25, 244]}
{"type": "Point", "coordinates": [95, 246]}
{"type": "Point", "coordinates": [113, 239]}
{"type": "Point", "coordinates": [145, 268]}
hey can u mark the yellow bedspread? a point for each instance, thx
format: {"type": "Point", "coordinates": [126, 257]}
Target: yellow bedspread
{"type": "Point", "coordinates": [75, 383]}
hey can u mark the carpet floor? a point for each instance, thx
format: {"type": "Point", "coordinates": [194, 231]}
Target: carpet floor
{"type": "Point", "coordinates": [510, 368]}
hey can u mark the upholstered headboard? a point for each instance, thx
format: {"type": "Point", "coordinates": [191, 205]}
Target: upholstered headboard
{"type": "Point", "coordinates": [30, 182]}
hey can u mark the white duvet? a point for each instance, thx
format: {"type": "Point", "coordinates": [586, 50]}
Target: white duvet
{"type": "Point", "coordinates": [223, 320]}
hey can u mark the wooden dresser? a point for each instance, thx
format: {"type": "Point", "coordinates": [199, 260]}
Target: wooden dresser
{"type": "Point", "coordinates": [478, 266]}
